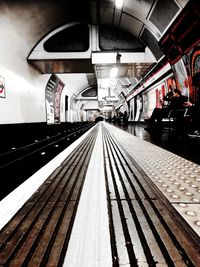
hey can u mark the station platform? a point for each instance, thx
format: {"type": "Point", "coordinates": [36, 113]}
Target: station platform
{"type": "Point", "coordinates": [109, 199]}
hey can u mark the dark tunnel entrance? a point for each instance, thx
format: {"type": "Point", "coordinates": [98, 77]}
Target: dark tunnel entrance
{"type": "Point", "coordinates": [99, 118]}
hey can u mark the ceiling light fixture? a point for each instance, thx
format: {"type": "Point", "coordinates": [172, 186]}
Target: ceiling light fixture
{"type": "Point", "coordinates": [118, 57]}
{"type": "Point", "coordinates": [119, 3]}
{"type": "Point", "coordinates": [113, 72]}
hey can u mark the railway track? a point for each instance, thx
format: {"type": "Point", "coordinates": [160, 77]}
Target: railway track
{"type": "Point", "coordinates": [20, 163]}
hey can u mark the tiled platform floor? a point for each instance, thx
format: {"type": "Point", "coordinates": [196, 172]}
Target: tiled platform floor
{"type": "Point", "coordinates": [188, 148]}
{"type": "Point", "coordinates": [176, 177]}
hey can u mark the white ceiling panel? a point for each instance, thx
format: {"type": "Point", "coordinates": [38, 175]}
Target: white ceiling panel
{"type": "Point", "coordinates": [117, 18]}
{"type": "Point", "coordinates": [106, 16]}
{"type": "Point", "coordinates": [138, 8]}
{"type": "Point", "coordinates": [131, 25]}
{"type": "Point", "coordinates": [182, 3]}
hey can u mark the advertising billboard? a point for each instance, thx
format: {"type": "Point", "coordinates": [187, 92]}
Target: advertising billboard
{"type": "Point", "coordinates": [53, 92]}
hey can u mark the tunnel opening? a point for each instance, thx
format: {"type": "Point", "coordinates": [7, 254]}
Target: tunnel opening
{"type": "Point", "coordinates": [99, 118]}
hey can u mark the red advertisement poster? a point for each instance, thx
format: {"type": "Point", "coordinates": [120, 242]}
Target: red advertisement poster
{"type": "Point", "coordinates": [2, 87]}
{"type": "Point", "coordinates": [57, 95]}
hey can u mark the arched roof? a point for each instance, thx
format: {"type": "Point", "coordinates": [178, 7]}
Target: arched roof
{"type": "Point", "coordinates": [137, 18]}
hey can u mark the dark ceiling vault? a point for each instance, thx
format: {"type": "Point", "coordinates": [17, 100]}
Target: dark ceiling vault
{"type": "Point", "coordinates": [115, 39]}
{"type": "Point", "coordinates": [72, 39]}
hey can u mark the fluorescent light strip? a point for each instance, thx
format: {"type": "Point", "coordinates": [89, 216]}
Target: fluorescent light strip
{"type": "Point", "coordinates": [113, 72]}
{"type": "Point", "coordinates": [119, 3]}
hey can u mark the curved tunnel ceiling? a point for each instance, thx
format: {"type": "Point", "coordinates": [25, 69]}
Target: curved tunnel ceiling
{"type": "Point", "coordinates": [76, 38]}
{"type": "Point", "coordinates": [137, 18]}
